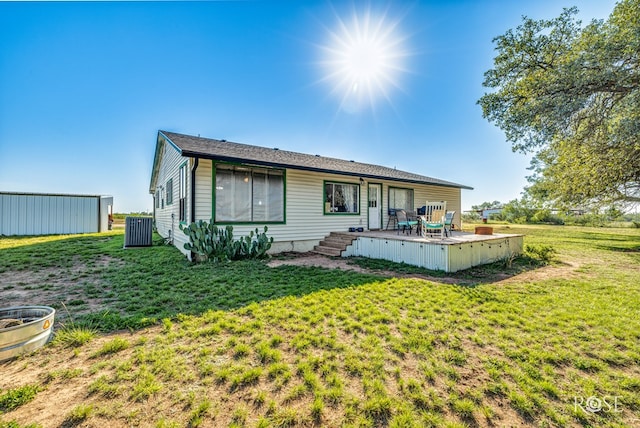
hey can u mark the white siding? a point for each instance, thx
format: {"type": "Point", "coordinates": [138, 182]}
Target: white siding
{"type": "Point", "coordinates": [204, 195]}
{"type": "Point", "coordinates": [306, 224]}
{"type": "Point", "coordinates": [167, 215]}
{"type": "Point", "coordinates": [41, 214]}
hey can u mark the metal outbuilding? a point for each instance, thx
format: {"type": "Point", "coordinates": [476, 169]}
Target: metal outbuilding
{"type": "Point", "coordinates": [53, 214]}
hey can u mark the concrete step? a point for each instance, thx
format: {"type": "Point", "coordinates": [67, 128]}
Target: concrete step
{"type": "Point", "coordinates": [343, 237]}
{"type": "Point", "coordinates": [334, 243]}
{"type": "Point", "coordinates": [327, 251]}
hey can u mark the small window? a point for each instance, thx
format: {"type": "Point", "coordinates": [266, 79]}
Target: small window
{"type": "Point", "coordinates": [341, 198]}
{"type": "Point", "coordinates": [170, 191]}
{"type": "Point", "coordinates": [157, 199]}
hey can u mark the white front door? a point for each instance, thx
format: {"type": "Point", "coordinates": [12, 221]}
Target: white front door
{"type": "Point", "coordinates": [375, 206]}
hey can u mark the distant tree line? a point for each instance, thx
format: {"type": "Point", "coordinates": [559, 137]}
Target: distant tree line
{"type": "Point", "coordinates": [528, 210]}
{"type": "Point", "coordinates": [122, 216]}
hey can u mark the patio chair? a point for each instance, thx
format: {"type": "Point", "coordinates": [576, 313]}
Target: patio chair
{"type": "Point", "coordinates": [392, 218]}
{"type": "Point", "coordinates": [434, 219]}
{"type": "Point", "coordinates": [448, 222]}
{"type": "Point", "coordinates": [404, 222]}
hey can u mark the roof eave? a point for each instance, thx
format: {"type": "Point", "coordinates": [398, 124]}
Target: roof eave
{"type": "Point", "coordinates": [155, 169]}
{"type": "Point", "coordinates": [230, 159]}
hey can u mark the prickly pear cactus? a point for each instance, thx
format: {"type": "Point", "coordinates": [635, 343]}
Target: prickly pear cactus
{"type": "Point", "coordinates": [210, 242]}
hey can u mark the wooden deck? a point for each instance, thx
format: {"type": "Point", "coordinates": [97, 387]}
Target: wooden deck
{"type": "Point", "coordinates": [459, 251]}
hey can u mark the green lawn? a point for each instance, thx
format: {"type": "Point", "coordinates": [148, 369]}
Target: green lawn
{"type": "Point", "coordinates": [243, 344]}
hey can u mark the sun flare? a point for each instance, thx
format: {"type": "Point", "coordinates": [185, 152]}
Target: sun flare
{"type": "Point", "coordinates": [363, 59]}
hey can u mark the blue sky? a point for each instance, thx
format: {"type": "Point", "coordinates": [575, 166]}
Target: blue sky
{"type": "Point", "coordinates": [84, 87]}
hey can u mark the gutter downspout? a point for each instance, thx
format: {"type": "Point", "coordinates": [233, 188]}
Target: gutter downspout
{"type": "Point", "coordinates": [193, 190]}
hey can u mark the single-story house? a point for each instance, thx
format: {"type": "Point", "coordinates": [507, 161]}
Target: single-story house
{"type": "Point", "coordinates": [300, 197]}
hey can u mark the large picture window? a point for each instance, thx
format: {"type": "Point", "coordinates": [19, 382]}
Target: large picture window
{"type": "Point", "coordinates": [245, 194]}
{"type": "Point", "coordinates": [401, 198]}
{"type": "Point", "coordinates": [341, 198]}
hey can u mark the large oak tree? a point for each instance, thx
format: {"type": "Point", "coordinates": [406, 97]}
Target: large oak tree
{"type": "Point", "coordinates": [571, 96]}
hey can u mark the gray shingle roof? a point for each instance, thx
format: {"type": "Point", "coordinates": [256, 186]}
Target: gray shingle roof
{"type": "Point", "coordinates": [191, 146]}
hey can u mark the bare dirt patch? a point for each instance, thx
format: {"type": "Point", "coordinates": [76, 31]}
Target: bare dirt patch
{"type": "Point", "coordinates": [318, 260]}
{"type": "Point", "coordinates": [56, 286]}
{"type": "Point", "coordinates": [314, 259]}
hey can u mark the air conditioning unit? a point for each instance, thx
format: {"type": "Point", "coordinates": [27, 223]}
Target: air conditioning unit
{"type": "Point", "coordinates": [138, 231]}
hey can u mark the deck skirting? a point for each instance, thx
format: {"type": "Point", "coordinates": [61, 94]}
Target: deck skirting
{"type": "Point", "coordinates": [449, 255]}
